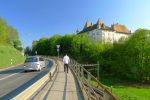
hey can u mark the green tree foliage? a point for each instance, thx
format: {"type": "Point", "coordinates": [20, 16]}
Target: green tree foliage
{"type": "Point", "coordinates": [126, 59]}
{"type": "Point", "coordinates": [42, 47]}
{"type": "Point", "coordinates": [28, 51]}
{"type": "Point", "coordinates": [80, 43]}
{"type": "Point", "coordinates": [3, 32]}
{"type": "Point", "coordinates": [9, 35]}
{"type": "Point", "coordinates": [66, 44]}
{"type": "Point", "coordinates": [55, 40]}
{"type": "Point", "coordinates": [47, 46]}
{"type": "Point", "coordinates": [130, 59]}
{"type": "Point", "coordinates": [139, 49]}
{"type": "Point", "coordinates": [12, 35]}
{"type": "Point", "coordinates": [17, 44]}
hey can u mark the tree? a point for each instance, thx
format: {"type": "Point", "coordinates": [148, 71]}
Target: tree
{"type": "Point", "coordinates": [9, 35]}
{"type": "Point", "coordinates": [66, 44]}
{"type": "Point", "coordinates": [53, 41]}
{"type": "Point", "coordinates": [12, 35]}
{"type": "Point", "coordinates": [27, 51]}
{"type": "Point", "coordinates": [126, 59]}
{"type": "Point", "coordinates": [129, 58]}
{"type": "Point", "coordinates": [139, 45]}
{"type": "Point", "coordinates": [3, 32]}
{"type": "Point", "coordinates": [42, 47]}
{"type": "Point", "coordinates": [16, 43]}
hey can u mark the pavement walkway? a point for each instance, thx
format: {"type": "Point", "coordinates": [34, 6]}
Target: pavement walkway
{"type": "Point", "coordinates": [64, 87]}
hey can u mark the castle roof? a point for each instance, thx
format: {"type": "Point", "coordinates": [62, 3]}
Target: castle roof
{"type": "Point", "coordinates": [120, 28]}
{"type": "Point", "coordinates": [89, 27]}
{"type": "Point", "coordinates": [115, 27]}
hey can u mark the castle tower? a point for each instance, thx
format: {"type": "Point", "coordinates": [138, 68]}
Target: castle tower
{"type": "Point", "coordinates": [99, 23]}
{"type": "Point", "coordinates": [88, 24]}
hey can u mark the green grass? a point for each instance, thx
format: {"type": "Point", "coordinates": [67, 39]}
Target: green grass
{"type": "Point", "coordinates": [123, 89]}
{"type": "Point", "coordinates": [128, 91]}
{"type": "Point", "coordinates": [7, 53]}
{"type": "Point", "coordinates": [131, 93]}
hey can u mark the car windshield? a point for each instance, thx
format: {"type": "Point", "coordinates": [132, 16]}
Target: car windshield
{"type": "Point", "coordinates": [31, 59]}
{"type": "Point", "coordinates": [41, 59]}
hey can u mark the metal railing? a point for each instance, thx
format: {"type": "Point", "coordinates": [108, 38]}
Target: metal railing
{"type": "Point", "coordinates": [92, 89]}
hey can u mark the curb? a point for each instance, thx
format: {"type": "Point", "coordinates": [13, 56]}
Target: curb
{"type": "Point", "coordinates": [24, 95]}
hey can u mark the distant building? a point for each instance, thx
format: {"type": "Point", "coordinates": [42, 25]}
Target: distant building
{"type": "Point", "coordinates": [34, 42]}
{"type": "Point", "coordinates": [102, 33]}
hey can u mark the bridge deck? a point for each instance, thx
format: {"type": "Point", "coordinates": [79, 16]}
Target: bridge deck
{"type": "Point", "coordinates": [64, 87]}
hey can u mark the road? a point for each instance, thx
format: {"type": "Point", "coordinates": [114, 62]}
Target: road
{"type": "Point", "coordinates": [63, 86]}
{"type": "Point", "coordinates": [14, 79]}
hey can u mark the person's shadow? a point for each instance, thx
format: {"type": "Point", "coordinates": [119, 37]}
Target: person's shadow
{"type": "Point", "coordinates": [65, 87]}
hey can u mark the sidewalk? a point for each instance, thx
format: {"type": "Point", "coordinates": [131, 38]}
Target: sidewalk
{"type": "Point", "coordinates": [65, 87]}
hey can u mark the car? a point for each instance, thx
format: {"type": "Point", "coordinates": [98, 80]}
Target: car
{"type": "Point", "coordinates": [34, 63]}
{"type": "Point", "coordinates": [42, 62]}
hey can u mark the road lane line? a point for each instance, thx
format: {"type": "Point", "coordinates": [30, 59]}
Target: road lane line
{"type": "Point", "coordinates": [9, 76]}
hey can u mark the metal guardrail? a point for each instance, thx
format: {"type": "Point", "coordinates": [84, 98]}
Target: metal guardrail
{"type": "Point", "coordinates": [92, 89]}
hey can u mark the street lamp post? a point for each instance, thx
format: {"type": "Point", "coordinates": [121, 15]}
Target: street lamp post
{"type": "Point", "coordinates": [58, 46]}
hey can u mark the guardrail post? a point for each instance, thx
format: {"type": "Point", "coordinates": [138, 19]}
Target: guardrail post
{"type": "Point", "coordinates": [82, 73]}
{"type": "Point", "coordinates": [89, 85]}
{"type": "Point", "coordinates": [78, 70]}
{"type": "Point", "coordinates": [74, 68]}
{"type": "Point", "coordinates": [73, 65]}
{"type": "Point", "coordinates": [50, 76]}
{"type": "Point", "coordinates": [105, 95]}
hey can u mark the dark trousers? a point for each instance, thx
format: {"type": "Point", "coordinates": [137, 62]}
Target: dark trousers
{"type": "Point", "coordinates": [65, 67]}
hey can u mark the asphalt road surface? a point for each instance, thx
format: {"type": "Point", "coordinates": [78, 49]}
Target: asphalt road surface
{"type": "Point", "coordinates": [15, 78]}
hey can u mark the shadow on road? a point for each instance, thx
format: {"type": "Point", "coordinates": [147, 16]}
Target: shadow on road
{"type": "Point", "coordinates": [11, 71]}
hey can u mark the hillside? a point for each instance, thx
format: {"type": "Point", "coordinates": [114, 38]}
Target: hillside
{"type": "Point", "coordinates": [7, 53]}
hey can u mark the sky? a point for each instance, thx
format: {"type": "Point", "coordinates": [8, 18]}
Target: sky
{"type": "Point", "coordinates": [35, 19]}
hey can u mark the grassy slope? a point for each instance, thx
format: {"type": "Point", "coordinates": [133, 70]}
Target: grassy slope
{"type": "Point", "coordinates": [7, 53]}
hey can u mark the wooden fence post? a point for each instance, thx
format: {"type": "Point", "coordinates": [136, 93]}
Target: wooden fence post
{"type": "Point", "coordinates": [89, 91]}
{"type": "Point", "coordinates": [98, 70]}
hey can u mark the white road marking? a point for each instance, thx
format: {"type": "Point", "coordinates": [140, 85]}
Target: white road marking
{"type": "Point", "coordinates": [9, 76]}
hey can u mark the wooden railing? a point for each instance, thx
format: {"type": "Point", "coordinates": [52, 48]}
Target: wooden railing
{"type": "Point", "coordinates": [92, 89]}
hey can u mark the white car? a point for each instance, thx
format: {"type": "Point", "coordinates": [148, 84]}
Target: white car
{"type": "Point", "coordinates": [34, 63]}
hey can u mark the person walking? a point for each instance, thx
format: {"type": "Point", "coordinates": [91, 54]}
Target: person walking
{"type": "Point", "coordinates": [66, 61]}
